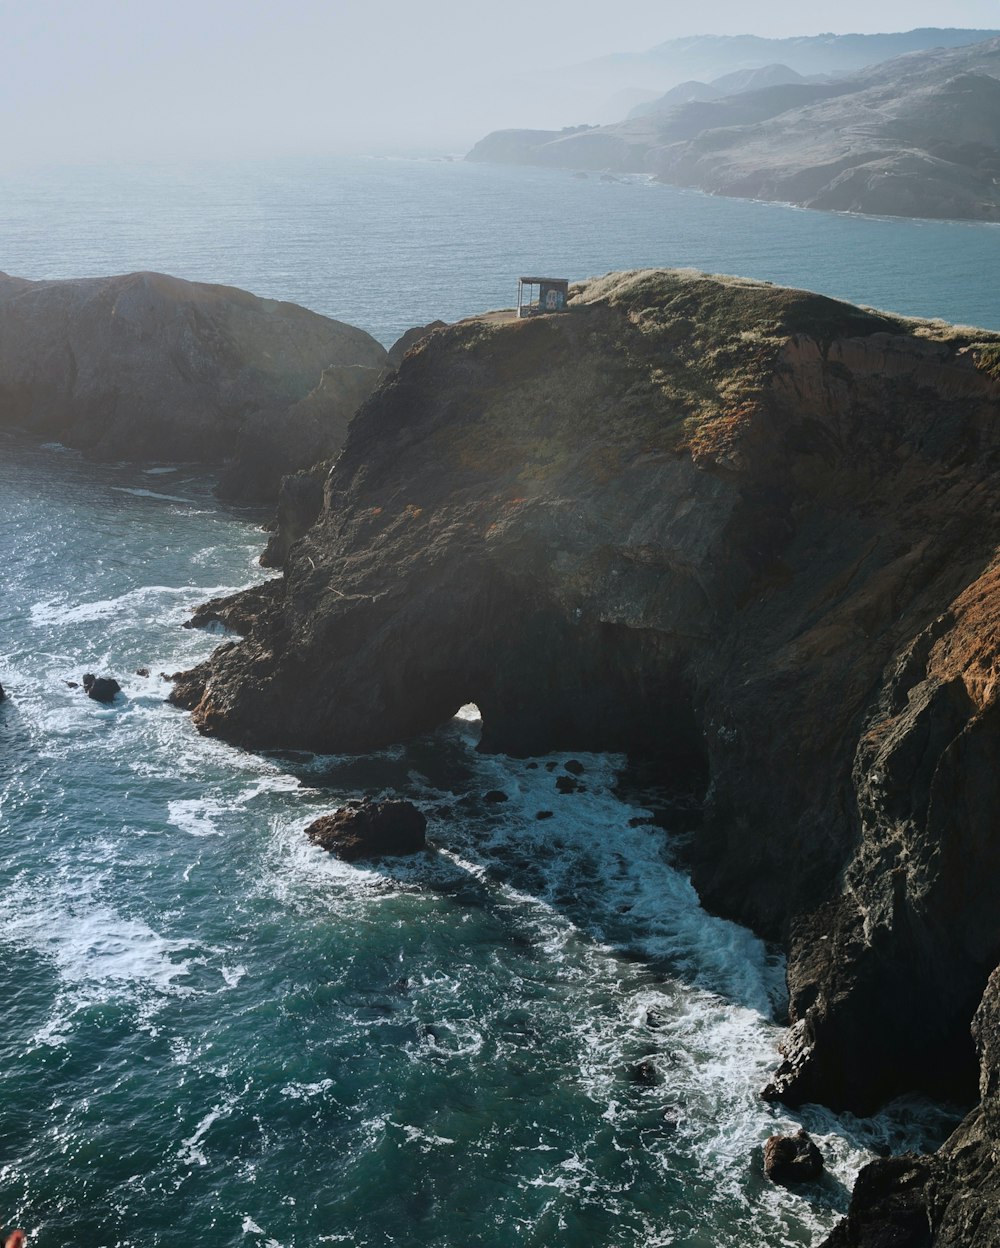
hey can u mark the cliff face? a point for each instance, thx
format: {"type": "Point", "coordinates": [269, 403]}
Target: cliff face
{"type": "Point", "coordinates": [749, 532]}
{"type": "Point", "coordinates": [146, 366]}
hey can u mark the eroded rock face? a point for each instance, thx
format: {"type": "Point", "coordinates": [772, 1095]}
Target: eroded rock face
{"type": "Point", "coordinates": [370, 830]}
{"type": "Point", "coordinates": [748, 532]}
{"type": "Point", "coordinates": [949, 1200]}
{"type": "Point", "coordinates": [150, 367]}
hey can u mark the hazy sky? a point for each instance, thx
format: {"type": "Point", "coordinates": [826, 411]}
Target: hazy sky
{"type": "Point", "coordinates": [122, 78]}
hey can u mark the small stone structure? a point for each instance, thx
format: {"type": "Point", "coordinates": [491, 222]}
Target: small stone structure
{"type": "Point", "coordinates": [551, 295]}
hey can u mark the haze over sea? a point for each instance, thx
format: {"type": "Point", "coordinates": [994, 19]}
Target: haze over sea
{"type": "Point", "coordinates": [212, 1029]}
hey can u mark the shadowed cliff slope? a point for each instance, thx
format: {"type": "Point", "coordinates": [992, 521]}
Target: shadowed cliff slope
{"type": "Point", "coordinates": [751, 533]}
{"type": "Point", "coordinates": [146, 366]}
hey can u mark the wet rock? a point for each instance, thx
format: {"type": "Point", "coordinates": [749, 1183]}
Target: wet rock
{"type": "Point", "coordinates": [72, 684]}
{"type": "Point", "coordinates": [101, 688]}
{"type": "Point", "coordinates": [544, 814]}
{"type": "Point", "coordinates": [790, 1159]}
{"type": "Point", "coordinates": [369, 829]}
{"type": "Point", "coordinates": [142, 671]}
{"type": "Point", "coordinates": [574, 767]}
{"type": "Point", "coordinates": [532, 766]}
{"type": "Point", "coordinates": [495, 796]}
{"type": "Point", "coordinates": [2, 694]}
{"type": "Point", "coordinates": [566, 784]}
{"type": "Point", "coordinates": [551, 766]}
{"type": "Point", "coordinates": [645, 1074]}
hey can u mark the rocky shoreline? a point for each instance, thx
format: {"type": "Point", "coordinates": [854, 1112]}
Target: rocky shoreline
{"type": "Point", "coordinates": [750, 533]}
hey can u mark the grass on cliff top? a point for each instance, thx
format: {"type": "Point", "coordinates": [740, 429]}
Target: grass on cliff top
{"type": "Point", "coordinates": [664, 361]}
{"type": "Point", "coordinates": [725, 307]}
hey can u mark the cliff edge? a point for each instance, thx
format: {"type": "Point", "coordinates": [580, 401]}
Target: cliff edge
{"type": "Point", "coordinates": [749, 532]}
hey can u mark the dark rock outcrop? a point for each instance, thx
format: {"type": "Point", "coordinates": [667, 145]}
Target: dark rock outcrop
{"type": "Point", "coordinates": [300, 501]}
{"type": "Point", "coordinates": [300, 493]}
{"type": "Point", "coordinates": [150, 367]}
{"type": "Point", "coordinates": [409, 340]}
{"type": "Point", "coordinates": [948, 1200]}
{"type": "Point", "coordinates": [101, 688]}
{"type": "Point", "coordinates": [369, 829]}
{"type": "Point", "coordinates": [753, 534]}
{"type": "Point", "coordinates": [3, 695]}
{"type": "Point", "coordinates": [792, 1159]}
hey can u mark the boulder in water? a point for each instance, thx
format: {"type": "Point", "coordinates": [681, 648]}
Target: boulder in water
{"type": "Point", "coordinates": [101, 688]}
{"type": "Point", "coordinates": [792, 1159]}
{"type": "Point", "coordinates": [369, 829]}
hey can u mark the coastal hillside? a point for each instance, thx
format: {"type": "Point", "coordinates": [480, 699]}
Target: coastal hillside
{"type": "Point", "coordinates": [149, 367]}
{"type": "Point", "coordinates": [916, 136]}
{"type": "Point", "coordinates": [602, 90]}
{"type": "Point", "coordinates": [748, 533]}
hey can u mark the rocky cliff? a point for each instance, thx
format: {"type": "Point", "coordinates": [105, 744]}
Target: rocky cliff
{"type": "Point", "coordinates": [149, 367]}
{"type": "Point", "coordinates": [747, 532]}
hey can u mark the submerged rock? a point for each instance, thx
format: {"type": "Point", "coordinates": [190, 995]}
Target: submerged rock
{"type": "Point", "coordinates": [791, 1159]}
{"type": "Point", "coordinates": [645, 1074]}
{"type": "Point", "coordinates": [101, 688]}
{"type": "Point", "coordinates": [369, 829]}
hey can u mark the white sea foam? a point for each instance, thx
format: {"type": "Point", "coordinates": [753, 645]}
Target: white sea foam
{"type": "Point", "coordinates": [56, 613]}
{"type": "Point", "coordinates": [195, 816]}
{"type": "Point", "coordinates": [190, 1152]}
{"type": "Point", "coordinates": [140, 493]}
{"type": "Point", "coordinates": [305, 1091]}
{"type": "Point", "coordinates": [414, 1135]}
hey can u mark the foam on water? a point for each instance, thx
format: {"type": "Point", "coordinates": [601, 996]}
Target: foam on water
{"type": "Point", "coordinates": [230, 1030]}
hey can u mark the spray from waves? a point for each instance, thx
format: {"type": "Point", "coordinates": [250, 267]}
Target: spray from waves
{"type": "Point", "coordinates": [626, 966]}
{"type": "Point", "coordinates": [226, 1030]}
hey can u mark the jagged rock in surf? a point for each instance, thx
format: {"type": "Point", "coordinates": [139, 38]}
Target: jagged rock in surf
{"type": "Point", "coordinates": [370, 829]}
{"type": "Point", "coordinates": [791, 1159]}
{"type": "Point", "coordinates": [101, 688]}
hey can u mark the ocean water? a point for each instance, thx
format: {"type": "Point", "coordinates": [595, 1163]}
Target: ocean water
{"type": "Point", "coordinates": [212, 1029]}
{"type": "Point", "coordinates": [390, 243]}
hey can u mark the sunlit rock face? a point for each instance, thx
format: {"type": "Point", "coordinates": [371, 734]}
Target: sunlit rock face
{"type": "Point", "coordinates": [749, 533]}
{"type": "Point", "coordinates": [150, 367]}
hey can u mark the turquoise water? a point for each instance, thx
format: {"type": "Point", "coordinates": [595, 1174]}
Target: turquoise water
{"type": "Point", "coordinates": [214, 1030]}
